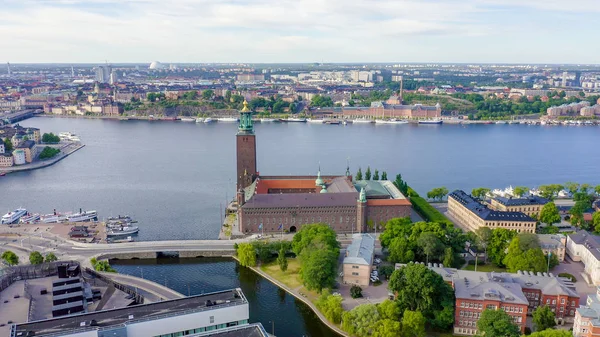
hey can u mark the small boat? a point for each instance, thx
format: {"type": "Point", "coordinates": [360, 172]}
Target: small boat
{"type": "Point", "coordinates": [83, 216]}
{"type": "Point", "coordinates": [345, 122]}
{"type": "Point", "coordinates": [315, 121]}
{"type": "Point", "coordinates": [125, 230]}
{"type": "Point", "coordinates": [333, 122]}
{"type": "Point", "coordinates": [362, 121]}
{"type": "Point", "coordinates": [113, 240]}
{"type": "Point", "coordinates": [390, 121]}
{"type": "Point", "coordinates": [14, 216]}
{"type": "Point", "coordinates": [187, 119]}
{"type": "Point", "coordinates": [2, 174]}
{"type": "Point", "coordinates": [294, 120]}
{"type": "Point", "coordinates": [431, 121]}
{"type": "Point", "coordinates": [268, 120]}
{"type": "Point", "coordinates": [30, 218]}
{"type": "Point", "coordinates": [199, 120]}
{"type": "Point", "coordinates": [227, 119]}
{"type": "Point", "coordinates": [208, 120]}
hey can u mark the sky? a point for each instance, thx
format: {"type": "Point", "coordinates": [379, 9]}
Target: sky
{"type": "Point", "coordinates": [289, 31]}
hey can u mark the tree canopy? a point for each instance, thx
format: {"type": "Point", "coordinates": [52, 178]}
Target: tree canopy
{"type": "Point", "coordinates": [549, 214]}
{"type": "Point", "coordinates": [524, 253]}
{"type": "Point", "coordinates": [359, 175]}
{"type": "Point", "coordinates": [497, 323]}
{"type": "Point", "coordinates": [36, 257]}
{"type": "Point", "coordinates": [246, 254]}
{"type": "Point", "coordinates": [310, 232]}
{"type": "Point", "coordinates": [368, 173]}
{"type": "Point", "coordinates": [437, 193]}
{"type": "Point", "coordinates": [499, 242]}
{"type": "Point", "coordinates": [8, 146]}
{"type": "Point", "coordinates": [321, 101]}
{"type": "Point", "coordinates": [50, 257]}
{"type": "Point", "coordinates": [318, 263]}
{"type": "Point", "coordinates": [50, 138]}
{"type": "Point", "coordinates": [361, 321]}
{"type": "Point", "coordinates": [10, 258]}
{"type": "Point", "coordinates": [543, 318]}
{"type": "Point", "coordinates": [552, 333]}
{"type": "Point", "coordinates": [330, 306]}
{"type": "Point", "coordinates": [520, 191]}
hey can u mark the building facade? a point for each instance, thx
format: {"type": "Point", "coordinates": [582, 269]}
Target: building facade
{"type": "Point", "coordinates": [6, 160]}
{"type": "Point", "coordinates": [19, 157]}
{"type": "Point", "coordinates": [472, 215]}
{"type": "Point", "coordinates": [587, 317]}
{"type": "Point", "coordinates": [530, 206]}
{"type": "Point", "coordinates": [585, 247]}
{"type": "Point", "coordinates": [358, 260]}
{"type": "Point", "coordinates": [555, 244]}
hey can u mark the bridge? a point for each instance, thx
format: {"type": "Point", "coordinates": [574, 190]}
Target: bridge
{"type": "Point", "coordinates": [17, 116]}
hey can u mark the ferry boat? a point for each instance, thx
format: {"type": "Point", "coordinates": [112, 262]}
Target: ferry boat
{"type": "Point", "coordinates": [83, 216]}
{"type": "Point", "coordinates": [227, 119]}
{"type": "Point", "coordinates": [187, 119]}
{"type": "Point", "coordinates": [390, 121]}
{"type": "Point", "coordinates": [431, 121]}
{"type": "Point", "coordinates": [54, 217]}
{"type": "Point", "coordinates": [294, 120]}
{"type": "Point", "coordinates": [333, 122]}
{"type": "Point", "coordinates": [125, 230]}
{"type": "Point", "coordinates": [208, 120]}
{"type": "Point", "coordinates": [315, 121]}
{"type": "Point", "coordinates": [30, 218]}
{"type": "Point", "coordinates": [12, 217]}
{"type": "Point", "coordinates": [268, 120]}
{"type": "Point", "coordinates": [362, 121]}
{"type": "Point", "coordinates": [68, 136]}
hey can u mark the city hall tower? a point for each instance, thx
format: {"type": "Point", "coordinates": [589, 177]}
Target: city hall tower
{"type": "Point", "coordinates": [245, 149]}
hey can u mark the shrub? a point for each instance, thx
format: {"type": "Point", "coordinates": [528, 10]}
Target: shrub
{"type": "Point", "coordinates": [428, 212]}
{"type": "Point", "coordinates": [356, 291]}
{"type": "Point", "coordinates": [569, 276]}
{"type": "Point", "coordinates": [386, 271]}
{"type": "Point", "coordinates": [48, 152]}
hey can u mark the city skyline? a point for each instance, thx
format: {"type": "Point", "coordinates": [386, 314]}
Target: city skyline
{"type": "Point", "coordinates": [185, 31]}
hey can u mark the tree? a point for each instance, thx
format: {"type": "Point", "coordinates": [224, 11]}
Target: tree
{"type": "Point", "coordinates": [413, 324]}
{"type": "Point", "coordinates": [207, 94]}
{"type": "Point", "coordinates": [361, 320]}
{"type": "Point", "coordinates": [397, 227]}
{"type": "Point", "coordinates": [355, 291]}
{"type": "Point", "coordinates": [321, 101]}
{"type": "Point", "coordinates": [383, 175]}
{"type": "Point", "coordinates": [282, 260]}
{"type": "Point", "coordinates": [310, 233]}
{"type": "Point", "coordinates": [499, 242]}
{"type": "Point", "coordinates": [430, 244]}
{"type": "Point", "coordinates": [550, 191]}
{"type": "Point", "coordinates": [376, 175]}
{"type": "Point", "coordinates": [520, 191]}
{"type": "Point", "coordinates": [437, 193]}
{"type": "Point", "coordinates": [330, 306]}
{"type": "Point", "coordinates": [484, 235]}
{"type": "Point", "coordinates": [572, 187]}
{"type": "Point", "coordinates": [36, 258]}
{"type": "Point", "coordinates": [359, 175]}
{"type": "Point", "coordinates": [480, 192]}
{"type": "Point", "coordinates": [596, 221]}
{"type": "Point", "coordinates": [597, 189]}
{"type": "Point", "coordinates": [494, 323]}
{"type": "Point", "coordinates": [549, 214]}
{"type": "Point", "coordinates": [228, 96]}
{"type": "Point", "coordinates": [552, 333]}
{"type": "Point", "coordinates": [101, 265]}
{"type": "Point", "coordinates": [549, 230]}
{"type": "Point", "coordinates": [418, 288]}
{"type": "Point", "coordinates": [318, 265]}
{"type": "Point", "coordinates": [387, 328]}
{"type": "Point", "coordinates": [8, 146]}
{"type": "Point", "coordinates": [10, 258]}
{"type": "Point", "coordinates": [448, 257]}
{"type": "Point", "coordinates": [389, 310]}
{"type": "Point", "coordinates": [368, 173]}
{"type": "Point", "coordinates": [543, 318]}
{"type": "Point", "coordinates": [584, 188]}
{"type": "Point", "coordinates": [48, 152]}
{"type": "Point", "coordinates": [400, 251]}
{"type": "Point", "coordinates": [524, 253]}
{"type": "Point", "coordinates": [50, 257]}
{"type": "Point", "coordinates": [246, 254]}
{"type": "Point", "coordinates": [50, 138]}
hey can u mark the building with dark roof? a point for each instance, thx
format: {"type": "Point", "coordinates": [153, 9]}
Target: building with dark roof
{"type": "Point", "coordinates": [530, 205]}
{"type": "Point", "coordinates": [286, 203]}
{"type": "Point", "coordinates": [472, 215]}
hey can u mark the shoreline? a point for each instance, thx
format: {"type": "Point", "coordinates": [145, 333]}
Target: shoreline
{"type": "Point", "coordinates": [40, 164]}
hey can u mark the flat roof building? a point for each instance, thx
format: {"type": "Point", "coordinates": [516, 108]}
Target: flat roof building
{"type": "Point", "coordinates": [185, 316]}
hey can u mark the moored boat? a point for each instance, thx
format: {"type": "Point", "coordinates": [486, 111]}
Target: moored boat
{"type": "Point", "coordinates": [431, 121]}
{"type": "Point", "coordinates": [199, 120]}
{"type": "Point", "coordinates": [227, 119]}
{"type": "Point", "coordinates": [294, 120]}
{"type": "Point", "coordinates": [187, 119]}
{"type": "Point", "coordinates": [315, 121]}
{"type": "Point", "coordinates": [268, 120]}
{"type": "Point", "coordinates": [362, 121]}
{"type": "Point", "coordinates": [83, 216]}
{"type": "Point", "coordinates": [14, 216]}
{"type": "Point", "coordinates": [30, 218]}
{"type": "Point", "coordinates": [208, 120]}
{"type": "Point", "coordinates": [390, 121]}
{"type": "Point", "coordinates": [124, 230]}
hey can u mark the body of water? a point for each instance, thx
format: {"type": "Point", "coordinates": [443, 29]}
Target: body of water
{"type": "Point", "coordinates": [267, 302]}
{"type": "Point", "coordinates": [177, 177]}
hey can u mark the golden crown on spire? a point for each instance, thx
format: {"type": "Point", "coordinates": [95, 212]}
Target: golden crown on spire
{"type": "Point", "coordinates": [245, 109]}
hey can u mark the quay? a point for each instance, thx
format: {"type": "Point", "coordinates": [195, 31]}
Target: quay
{"type": "Point", "coordinates": [65, 151]}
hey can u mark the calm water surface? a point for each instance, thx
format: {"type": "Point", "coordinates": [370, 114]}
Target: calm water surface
{"type": "Point", "coordinates": [267, 302]}
{"type": "Point", "coordinates": [176, 177]}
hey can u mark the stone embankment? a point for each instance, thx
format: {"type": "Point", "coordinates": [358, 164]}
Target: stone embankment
{"type": "Point", "coordinates": [65, 152]}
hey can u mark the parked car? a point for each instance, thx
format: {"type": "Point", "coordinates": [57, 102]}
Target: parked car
{"type": "Point", "coordinates": [336, 294]}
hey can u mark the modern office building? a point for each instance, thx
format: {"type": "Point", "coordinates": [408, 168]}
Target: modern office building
{"type": "Point", "coordinates": [358, 260]}
{"type": "Point", "coordinates": [530, 205]}
{"type": "Point", "coordinates": [199, 315]}
{"type": "Point", "coordinates": [472, 215]}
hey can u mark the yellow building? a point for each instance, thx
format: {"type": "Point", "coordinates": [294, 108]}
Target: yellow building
{"type": "Point", "coordinates": [530, 206]}
{"type": "Point", "coordinates": [472, 215]}
{"type": "Point", "coordinates": [358, 260]}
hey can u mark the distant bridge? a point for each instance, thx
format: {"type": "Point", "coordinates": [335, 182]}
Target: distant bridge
{"type": "Point", "coordinates": [17, 116]}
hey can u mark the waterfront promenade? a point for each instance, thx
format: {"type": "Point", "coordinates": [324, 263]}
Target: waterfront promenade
{"type": "Point", "coordinates": [65, 151]}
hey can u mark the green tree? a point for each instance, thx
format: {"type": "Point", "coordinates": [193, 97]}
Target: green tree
{"type": "Point", "coordinates": [549, 214]}
{"type": "Point", "coordinates": [103, 265]}
{"type": "Point", "coordinates": [8, 146]}
{"type": "Point", "coordinates": [520, 191]}
{"type": "Point", "coordinates": [309, 233]}
{"type": "Point", "coordinates": [321, 101]}
{"type": "Point", "coordinates": [480, 192]}
{"type": "Point", "coordinates": [499, 242]}
{"type": "Point", "coordinates": [376, 175]}
{"type": "Point", "coordinates": [400, 251]}
{"type": "Point", "coordinates": [584, 188]}
{"type": "Point", "coordinates": [550, 191]}
{"type": "Point", "coordinates": [207, 94]}
{"type": "Point", "coordinates": [50, 138]}
{"type": "Point", "coordinates": [543, 318]}
{"type": "Point", "coordinates": [190, 95]}
{"type": "Point", "coordinates": [50, 257]}
{"type": "Point", "coordinates": [368, 173]}
{"type": "Point", "coordinates": [552, 333]}
{"type": "Point", "coordinates": [387, 328]}
{"type": "Point", "coordinates": [420, 289]}
{"type": "Point", "coordinates": [572, 187]}
{"type": "Point", "coordinates": [318, 265]}
{"type": "Point", "coordinates": [597, 189]}
{"type": "Point", "coordinates": [437, 193]}
{"type": "Point", "coordinates": [430, 244]}
{"type": "Point", "coordinates": [384, 175]}
{"type": "Point", "coordinates": [361, 321]}
{"type": "Point", "coordinates": [413, 324]}
{"type": "Point", "coordinates": [246, 254]}
{"type": "Point", "coordinates": [48, 152]}
{"type": "Point", "coordinates": [497, 323]}
{"type": "Point", "coordinates": [227, 96]}
{"type": "Point", "coordinates": [484, 235]}
{"type": "Point", "coordinates": [524, 253]}
{"type": "Point", "coordinates": [397, 227]}
{"type": "Point", "coordinates": [359, 175]}
{"type": "Point", "coordinates": [448, 257]}
{"type": "Point", "coordinates": [355, 291]}
{"type": "Point", "coordinates": [596, 221]}
{"type": "Point", "coordinates": [10, 258]}
{"type": "Point", "coordinates": [330, 306]}
{"type": "Point", "coordinates": [36, 258]}
{"type": "Point", "coordinates": [389, 310]}
{"type": "Point", "coordinates": [282, 260]}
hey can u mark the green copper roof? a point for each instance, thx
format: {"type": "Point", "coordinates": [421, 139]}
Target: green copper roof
{"type": "Point", "coordinates": [362, 196]}
{"type": "Point", "coordinates": [319, 181]}
{"type": "Point", "coordinates": [246, 125]}
{"type": "Point", "coordinates": [324, 189]}
{"type": "Point", "coordinates": [373, 188]}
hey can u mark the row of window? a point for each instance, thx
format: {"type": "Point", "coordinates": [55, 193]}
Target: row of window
{"type": "Point", "coordinates": [208, 328]}
{"type": "Point", "coordinates": [562, 301]}
{"type": "Point", "coordinates": [470, 314]}
{"type": "Point", "coordinates": [471, 305]}
{"type": "Point", "coordinates": [512, 309]}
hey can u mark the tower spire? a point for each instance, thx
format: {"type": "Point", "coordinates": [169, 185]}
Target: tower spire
{"type": "Point", "coordinates": [246, 126]}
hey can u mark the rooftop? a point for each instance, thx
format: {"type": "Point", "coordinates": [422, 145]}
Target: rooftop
{"type": "Point", "coordinates": [248, 330]}
{"type": "Point", "coordinates": [484, 212]}
{"type": "Point", "coordinates": [379, 189]}
{"type": "Point", "coordinates": [551, 241]}
{"type": "Point", "coordinates": [360, 251]}
{"type": "Point", "coordinates": [302, 200]}
{"type": "Point", "coordinates": [132, 314]}
{"type": "Point", "coordinates": [533, 200]}
{"type": "Point", "coordinates": [591, 242]}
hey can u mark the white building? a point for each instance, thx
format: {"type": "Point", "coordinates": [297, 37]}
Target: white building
{"type": "Point", "coordinates": [2, 150]}
{"type": "Point", "coordinates": [585, 247]}
{"type": "Point", "coordinates": [19, 156]}
{"type": "Point", "coordinates": [201, 315]}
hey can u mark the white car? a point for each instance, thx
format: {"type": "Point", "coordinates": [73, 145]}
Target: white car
{"type": "Point", "coordinates": [374, 278]}
{"type": "Point", "coordinates": [336, 294]}
{"type": "Point", "coordinates": [377, 260]}
{"type": "Point", "coordinates": [374, 273]}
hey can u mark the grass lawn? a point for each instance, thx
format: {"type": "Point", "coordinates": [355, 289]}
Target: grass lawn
{"type": "Point", "coordinates": [485, 268]}
{"type": "Point", "coordinates": [290, 277]}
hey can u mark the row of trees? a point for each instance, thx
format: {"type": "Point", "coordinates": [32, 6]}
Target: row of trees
{"type": "Point", "coordinates": [48, 152]}
{"type": "Point", "coordinates": [35, 257]}
{"type": "Point", "coordinates": [102, 265]}
{"type": "Point", "coordinates": [549, 191]}
{"type": "Point", "coordinates": [368, 175]}
{"type": "Point", "coordinates": [437, 193]}
{"type": "Point", "coordinates": [50, 138]}
{"type": "Point", "coordinates": [499, 323]}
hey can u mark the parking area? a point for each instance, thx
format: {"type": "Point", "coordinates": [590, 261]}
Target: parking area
{"type": "Point", "coordinates": [576, 269]}
{"type": "Point", "coordinates": [371, 294]}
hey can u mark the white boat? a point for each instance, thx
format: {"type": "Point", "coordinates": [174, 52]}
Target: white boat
{"type": "Point", "coordinates": [390, 121]}
{"type": "Point", "coordinates": [199, 120]}
{"type": "Point", "coordinates": [315, 121]}
{"type": "Point", "coordinates": [295, 120]}
{"type": "Point", "coordinates": [82, 216]}
{"type": "Point", "coordinates": [431, 121]}
{"type": "Point", "coordinates": [362, 121]}
{"type": "Point", "coordinates": [14, 216]}
{"type": "Point", "coordinates": [125, 230]}
{"type": "Point", "coordinates": [564, 194]}
{"type": "Point", "coordinates": [54, 218]}
{"type": "Point", "coordinates": [208, 120]}
{"type": "Point", "coordinates": [500, 122]}
{"type": "Point", "coordinates": [187, 119]}
{"type": "Point", "coordinates": [268, 120]}
{"type": "Point", "coordinates": [227, 119]}
{"type": "Point", "coordinates": [64, 135]}
{"type": "Point", "coordinates": [30, 218]}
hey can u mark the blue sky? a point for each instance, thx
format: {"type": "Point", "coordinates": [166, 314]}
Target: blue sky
{"type": "Point", "coordinates": [487, 31]}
